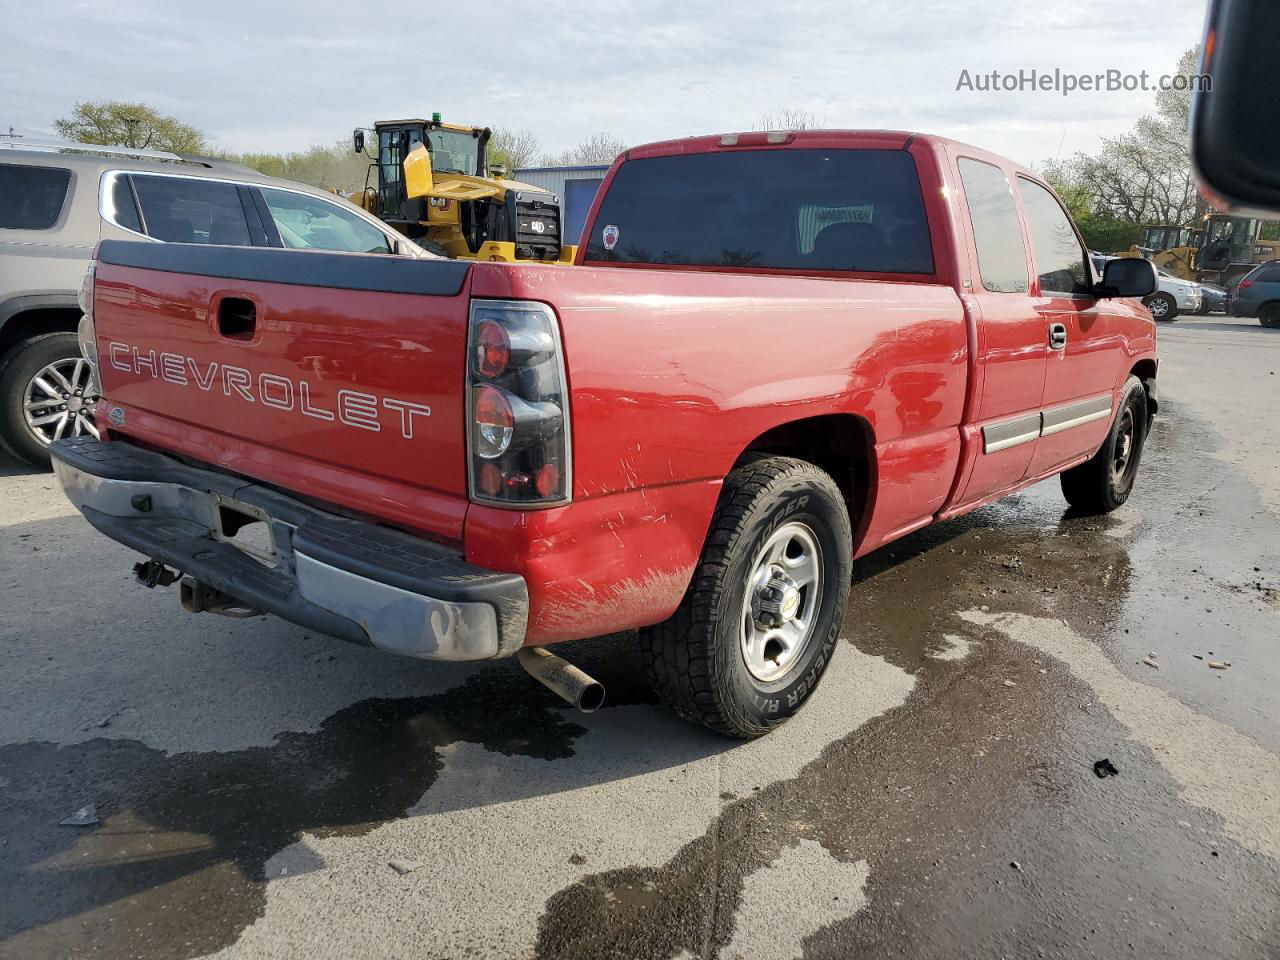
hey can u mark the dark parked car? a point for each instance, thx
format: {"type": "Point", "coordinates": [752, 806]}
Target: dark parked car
{"type": "Point", "coordinates": [59, 200]}
{"type": "Point", "coordinates": [1258, 294]}
{"type": "Point", "coordinates": [1215, 299]}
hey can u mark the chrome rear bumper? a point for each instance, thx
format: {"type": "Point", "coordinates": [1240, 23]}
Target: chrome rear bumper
{"type": "Point", "coordinates": [348, 578]}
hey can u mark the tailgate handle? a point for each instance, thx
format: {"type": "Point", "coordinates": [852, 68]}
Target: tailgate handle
{"type": "Point", "coordinates": [237, 318]}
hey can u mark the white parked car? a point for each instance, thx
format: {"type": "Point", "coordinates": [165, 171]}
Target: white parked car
{"type": "Point", "coordinates": [1175, 296]}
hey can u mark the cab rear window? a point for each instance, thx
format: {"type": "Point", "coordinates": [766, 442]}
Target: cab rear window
{"type": "Point", "coordinates": [847, 210]}
{"type": "Point", "coordinates": [31, 198]}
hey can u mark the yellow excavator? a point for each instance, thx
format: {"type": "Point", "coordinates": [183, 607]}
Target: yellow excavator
{"type": "Point", "coordinates": [435, 185]}
{"type": "Point", "coordinates": [1221, 250]}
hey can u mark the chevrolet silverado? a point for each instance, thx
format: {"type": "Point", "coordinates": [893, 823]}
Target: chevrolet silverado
{"type": "Point", "coordinates": [775, 352]}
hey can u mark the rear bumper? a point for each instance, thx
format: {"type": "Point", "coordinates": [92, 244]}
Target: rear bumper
{"type": "Point", "coordinates": [350, 579]}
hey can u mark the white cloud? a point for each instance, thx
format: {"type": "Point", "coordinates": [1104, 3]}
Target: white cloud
{"type": "Point", "coordinates": [282, 74]}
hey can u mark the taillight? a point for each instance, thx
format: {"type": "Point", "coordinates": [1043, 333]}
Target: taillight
{"type": "Point", "coordinates": [85, 332]}
{"type": "Point", "coordinates": [1245, 283]}
{"type": "Point", "coordinates": [518, 434]}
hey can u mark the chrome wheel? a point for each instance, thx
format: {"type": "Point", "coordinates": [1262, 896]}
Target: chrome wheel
{"type": "Point", "coordinates": [781, 604]}
{"type": "Point", "coordinates": [59, 401]}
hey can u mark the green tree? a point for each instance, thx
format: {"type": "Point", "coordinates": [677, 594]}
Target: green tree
{"type": "Point", "coordinates": [335, 167]}
{"type": "Point", "coordinates": [116, 123]}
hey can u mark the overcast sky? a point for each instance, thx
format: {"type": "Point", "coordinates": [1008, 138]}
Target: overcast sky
{"type": "Point", "coordinates": [283, 74]}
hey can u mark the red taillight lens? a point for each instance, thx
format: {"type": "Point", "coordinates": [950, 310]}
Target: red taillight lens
{"type": "Point", "coordinates": [489, 480]}
{"type": "Point", "coordinates": [519, 430]}
{"type": "Point", "coordinates": [493, 349]}
{"type": "Point", "coordinates": [1245, 283]}
{"type": "Point", "coordinates": [548, 480]}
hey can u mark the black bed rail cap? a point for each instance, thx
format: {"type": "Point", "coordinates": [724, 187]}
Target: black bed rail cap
{"type": "Point", "coordinates": [384, 273]}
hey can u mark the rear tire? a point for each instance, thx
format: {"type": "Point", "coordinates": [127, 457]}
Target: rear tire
{"type": "Point", "coordinates": [1163, 307]}
{"type": "Point", "coordinates": [1103, 483]}
{"type": "Point", "coordinates": [1269, 316]}
{"type": "Point", "coordinates": [34, 357]}
{"type": "Point", "coordinates": [750, 641]}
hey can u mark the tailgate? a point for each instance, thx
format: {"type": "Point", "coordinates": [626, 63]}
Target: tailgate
{"type": "Point", "coordinates": [338, 376]}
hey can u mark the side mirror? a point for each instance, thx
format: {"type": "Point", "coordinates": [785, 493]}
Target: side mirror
{"type": "Point", "coordinates": [357, 140]}
{"type": "Point", "coordinates": [1128, 277]}
{"type": "Point", "coordinates": [1235, 125]}
{"type": "Point", "coordinates": [498, 171]}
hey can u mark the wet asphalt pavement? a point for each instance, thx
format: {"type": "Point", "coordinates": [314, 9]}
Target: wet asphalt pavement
{"type": "Point", "coordinates": [936, 798]}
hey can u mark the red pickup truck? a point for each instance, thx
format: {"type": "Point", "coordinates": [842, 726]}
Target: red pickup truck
{"type": "Point", "coordinates": [774, 353]}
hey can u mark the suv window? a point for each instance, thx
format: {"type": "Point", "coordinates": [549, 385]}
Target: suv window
{"type": "Point", "coordinates": [123, 209]}
{"type": "Point", "coordinates": [190, 210]}
{"type": "Point", "coordinates": [308, 222]}
{"type": "Point", "coordinates": [31, 198]}
{"type": "Point", "coordinates": [1059, 255]}
{"type": "Point", "coordinates": [1002, 256]}
{"type": "Point", "coordinates": [801, 209]}
{"type": "Point", "coordinates": [1268, 275]}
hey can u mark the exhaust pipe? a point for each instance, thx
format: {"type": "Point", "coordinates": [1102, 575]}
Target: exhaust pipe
{"type": "Point", "coordinates": [562, 678]}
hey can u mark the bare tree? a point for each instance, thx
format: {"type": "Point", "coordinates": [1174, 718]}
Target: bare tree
{"type": "Point", "coordinates": [514, 148]}
{"type": "Point", "coordinates": [791, 118]}
{"type": "Point", "coordinates": [597, 148]}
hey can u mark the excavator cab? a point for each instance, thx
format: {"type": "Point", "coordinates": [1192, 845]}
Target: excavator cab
{"type": "Point", "coordinates": [435, 185]}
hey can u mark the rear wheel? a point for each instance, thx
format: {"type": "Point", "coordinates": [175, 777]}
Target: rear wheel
{"type": "Point", "coordinates": [758, 626]}
{"type": "Point", "coordinates": [1269, 316]}
{"type": "Point", "coordinates": [46, 393]}
{"type": "Point", "coordinates": [1162, 306]}
{"type": "Point", "coordinates": [1104, 482]}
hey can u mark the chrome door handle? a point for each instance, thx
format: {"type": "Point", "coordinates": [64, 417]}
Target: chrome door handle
{"type": "Point", "coordinates": [1057, 336]}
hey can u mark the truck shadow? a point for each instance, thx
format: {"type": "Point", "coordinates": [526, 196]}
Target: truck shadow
{"type": "Point", "coordinates": [11, 466]}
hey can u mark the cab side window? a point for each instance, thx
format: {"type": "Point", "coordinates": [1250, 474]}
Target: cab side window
{"type": "Point", "coordinates": [1002, 256]}
{"type": "Point", "coordinates": [309, 223]}
{"type": "Point", "coordinates": [1060, 259]}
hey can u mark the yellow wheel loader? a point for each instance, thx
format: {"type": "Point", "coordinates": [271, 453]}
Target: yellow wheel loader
{"type": "Point", "coordinates": [1220, 251]}
{"type": "Point", "coordinates": [434, 184]}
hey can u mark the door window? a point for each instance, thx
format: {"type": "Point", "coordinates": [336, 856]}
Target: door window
{"type": "Point", "coordinates": [188, 210]}
{"type": "Point", "coordinates": [1060, 258]}
{"type": "Point", "coordinates": [1002, 256]}
{"type": "Point", "coordinates": [309, 223]}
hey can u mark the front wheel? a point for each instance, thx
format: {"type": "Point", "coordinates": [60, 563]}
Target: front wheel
{"type": "Point", "coordinates": [758, 625]}
{"type": "Point", "coordinates": [1163, 307]}
{"type": "Point", "coordinates": [1103, 483]}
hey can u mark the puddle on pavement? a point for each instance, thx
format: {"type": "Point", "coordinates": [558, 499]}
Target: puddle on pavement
{"type": "Point", "coordinates": [176, 867]}
{"type": "Point", "coordinates": [988, 763]}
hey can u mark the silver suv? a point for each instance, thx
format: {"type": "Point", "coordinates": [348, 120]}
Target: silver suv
{"type": "Point", "coordinates": [58, 201]}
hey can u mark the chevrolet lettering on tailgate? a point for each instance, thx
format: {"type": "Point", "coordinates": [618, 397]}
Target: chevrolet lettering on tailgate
{"type": "Point", "coordinates": [353, 408]}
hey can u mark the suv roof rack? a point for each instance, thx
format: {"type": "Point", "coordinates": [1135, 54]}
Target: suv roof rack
{"type": "Point", "coordinates": [64, 146]}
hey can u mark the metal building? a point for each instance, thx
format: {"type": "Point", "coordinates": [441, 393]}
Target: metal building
{"type": "Point", "coordinates": [575, 186]}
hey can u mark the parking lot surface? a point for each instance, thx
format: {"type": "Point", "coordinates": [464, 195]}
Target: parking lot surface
{"type": "Point", "coordinates": [262, 792]}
